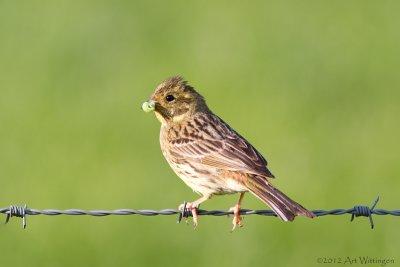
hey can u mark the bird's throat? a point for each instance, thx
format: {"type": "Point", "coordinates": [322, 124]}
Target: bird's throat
{"type": "Point", "coordinates": [160, 118]}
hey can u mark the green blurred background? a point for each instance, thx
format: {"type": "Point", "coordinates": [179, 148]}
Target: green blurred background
{"type": "Point", "coordinates": [313, 85]}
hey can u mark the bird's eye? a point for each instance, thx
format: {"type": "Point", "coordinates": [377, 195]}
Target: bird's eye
{"type": "Point", "coordinates": [170, 98]}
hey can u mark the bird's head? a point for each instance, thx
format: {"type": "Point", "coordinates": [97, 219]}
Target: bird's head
{"type": "Point", "coordinates": [174, 100]}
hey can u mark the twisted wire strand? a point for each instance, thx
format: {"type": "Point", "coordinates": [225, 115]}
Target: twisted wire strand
{"type": "Point", "coordinates": [23, 212]}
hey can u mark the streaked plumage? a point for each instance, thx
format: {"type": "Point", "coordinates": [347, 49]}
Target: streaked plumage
{"type": "Point", "coordinates": [208, 155]}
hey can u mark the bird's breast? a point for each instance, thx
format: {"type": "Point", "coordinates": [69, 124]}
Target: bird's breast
{"type": "Point", "coordinates": [201, 178]}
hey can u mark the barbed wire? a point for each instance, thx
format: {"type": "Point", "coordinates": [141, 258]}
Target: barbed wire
{"type": "Point", "coordinates": [24, 211]}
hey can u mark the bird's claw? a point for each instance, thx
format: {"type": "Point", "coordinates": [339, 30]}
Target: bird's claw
{"type": "Point", "coordinates": [237, 219]}
{"type": "Point", "coordinates": [185, 208]}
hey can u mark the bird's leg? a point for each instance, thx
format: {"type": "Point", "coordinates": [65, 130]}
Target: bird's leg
{"type": "Point", "coordinates": [193, 206]}
{"type": "Point", "coordinates": [237, 220]}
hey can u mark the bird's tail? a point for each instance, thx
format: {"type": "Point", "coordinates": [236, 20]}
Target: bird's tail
{"type": "Point", "coordinates": [282, 205]}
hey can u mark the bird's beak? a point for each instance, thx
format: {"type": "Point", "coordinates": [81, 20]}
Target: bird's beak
{"type": "Point", "coordinates": [149, 106]}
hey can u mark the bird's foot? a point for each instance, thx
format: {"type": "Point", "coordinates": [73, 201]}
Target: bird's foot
{"type": "Point", "coordinates": [237, 219]}
{"type": "Point", "coordinates": [192, 207]}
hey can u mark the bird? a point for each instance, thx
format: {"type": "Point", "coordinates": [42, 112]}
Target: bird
{"type": "Point", "coordinates": [210, 156]}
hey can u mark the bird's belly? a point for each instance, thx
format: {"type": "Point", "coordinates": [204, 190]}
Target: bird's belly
{"type": "Point", "coordinates": [206, 182]}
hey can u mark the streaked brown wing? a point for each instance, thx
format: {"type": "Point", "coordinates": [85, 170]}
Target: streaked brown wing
{"type": "Point", "coordinates": [213, 143]}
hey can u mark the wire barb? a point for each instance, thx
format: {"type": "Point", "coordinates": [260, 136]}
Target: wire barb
{"type": "Point", "coordinates": [184, 213]}
{"type": "Point", "coordinates": [365, 211]}
{"type": "Point", "coordinates": [17, 211]}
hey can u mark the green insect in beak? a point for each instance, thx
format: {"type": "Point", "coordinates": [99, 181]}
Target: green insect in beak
{"type": "Point", "coordinates": [148, 106]}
